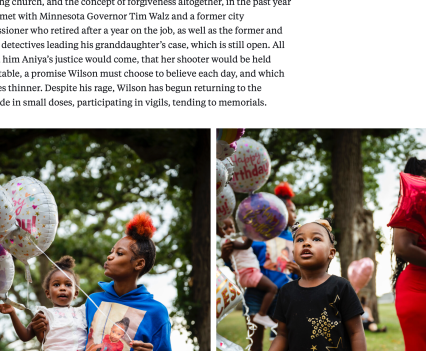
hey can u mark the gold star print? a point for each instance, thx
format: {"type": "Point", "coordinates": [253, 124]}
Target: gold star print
{"type": "Point", "coordinates": [5, 206]}
{"type": "Point", "coordinates": [322, 326]}
{"type": "Point", "coordinates": [332, 347]}
{"type": "Point", "coordinates": [314, 348]}
{"type": "Point", "coordinates": [334, 307]}
{"type": "Point", "coordinates": [28, 212]}
{"type": "Point", "coordinates": [37, 213]}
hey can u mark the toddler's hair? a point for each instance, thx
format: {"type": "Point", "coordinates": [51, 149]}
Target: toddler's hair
{"type": "Point", "coordinates": [125, 322]}
{"type": "Point", "coordinates": [325, 223]}
{"type": "Point", "coordinates": [66, 263]}
{"type": "Point", "coordinates": [141, 229]}
{"type": "Point", "coordinates": [283, 191]}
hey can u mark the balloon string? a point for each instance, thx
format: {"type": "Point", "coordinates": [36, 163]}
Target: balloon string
{"type": "Point", "coordinates": [28, 292]}
{"type": "Point", "coordinates": [251, 327]}
{"type": "Point", "coordinates": [80, 289]}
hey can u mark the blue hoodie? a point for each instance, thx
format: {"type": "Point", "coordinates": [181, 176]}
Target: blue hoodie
{"type": "Point", "coordinates": [282, 243]}
{"type": "Point", "coordinates": [146, 319]}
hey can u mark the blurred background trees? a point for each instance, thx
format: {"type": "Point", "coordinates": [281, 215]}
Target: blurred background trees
{"type": "Point", "coordinates": [100, 178]}
{"type": "Point", "coordinates": [334, 170]}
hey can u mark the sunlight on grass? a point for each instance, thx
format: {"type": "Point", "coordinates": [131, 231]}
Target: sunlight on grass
{"type": "Point", "coordinates": [233, 328]}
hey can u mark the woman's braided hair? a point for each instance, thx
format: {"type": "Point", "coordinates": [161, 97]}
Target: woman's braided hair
{"type": "Point", "coordinates": [415, 167]}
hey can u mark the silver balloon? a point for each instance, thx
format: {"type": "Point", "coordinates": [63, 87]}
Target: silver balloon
{"type": "Point", "coordinates": [37, 216]}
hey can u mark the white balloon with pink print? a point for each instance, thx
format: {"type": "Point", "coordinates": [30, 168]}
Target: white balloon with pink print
{"type": "Point", "coordinates": [36, 217]}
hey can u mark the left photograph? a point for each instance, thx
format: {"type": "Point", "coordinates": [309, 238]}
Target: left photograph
{"type": "Point", "coordinates": [105, 239]}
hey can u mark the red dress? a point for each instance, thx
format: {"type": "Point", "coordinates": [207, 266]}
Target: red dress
{"type": "Point", "coordinates": [410, 304]}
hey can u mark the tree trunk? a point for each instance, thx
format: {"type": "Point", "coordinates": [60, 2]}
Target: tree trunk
{"type": "Point", "coordinates": [200, 234]}
{"type": "Point", "coordinates": [354, 225]}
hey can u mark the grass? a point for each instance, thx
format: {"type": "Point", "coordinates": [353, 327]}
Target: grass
{"type": "Point", "coordinates": [233, 328]}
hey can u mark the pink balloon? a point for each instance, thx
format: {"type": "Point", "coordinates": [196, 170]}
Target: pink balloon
{"type": "Point", "coordinates": [360, 272]}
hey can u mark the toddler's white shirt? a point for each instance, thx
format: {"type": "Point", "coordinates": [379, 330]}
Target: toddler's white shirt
{"type": "Point", "coordinates": [243, 258]}
{"type": "Point", "coordinates": [68, 328]}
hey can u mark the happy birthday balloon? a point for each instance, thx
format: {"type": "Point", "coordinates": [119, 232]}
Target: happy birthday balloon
{"type": "Point", "coordinates": [262, 216]}
{"type": "Point", "coordinates": [221, 176]}
{"type": "Point", "coordinates": [7, 214]}
{"type": "Point", "coordinates": [229, 165]}
{"type": "Point", "coordinates": [225, 204]}
{"type": "Point", "coordinates": [227, 296]}
{"type": "Point", "coordinates": [360, 273]}
{"type": "Point", "coordinates": [37, 216]}
{"type": "Point", "coordinates": [252, 166]}
{"type": "Point", "coordinates": [411, 209]}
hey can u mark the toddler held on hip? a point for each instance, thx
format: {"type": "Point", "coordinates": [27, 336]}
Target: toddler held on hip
{"type": "Point", "coordinates": [249, 272]}
{"type": "Point", "coordinates": [319, 311]}
{"type": "Point", "coordinates": [61, 328]}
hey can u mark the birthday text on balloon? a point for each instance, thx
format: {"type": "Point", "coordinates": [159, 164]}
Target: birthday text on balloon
{"type": "Point", "coordinates": [254, 218]}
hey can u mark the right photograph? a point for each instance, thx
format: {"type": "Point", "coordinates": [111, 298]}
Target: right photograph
{"type": "Point", "coordinates": [320, 239]}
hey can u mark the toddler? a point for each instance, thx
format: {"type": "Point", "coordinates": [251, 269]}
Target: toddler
{"type": "Point", "coordinates": [319, 311]}
{"type": "Point", "coordinates": [61, 328]}
{"type": "Point", "coordinates": [249, 271]}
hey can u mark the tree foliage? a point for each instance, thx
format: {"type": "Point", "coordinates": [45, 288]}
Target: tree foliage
{"type": "Point", "coordinates": [303, 158]}
{"type": "Point", "coordinates": [96, 176]}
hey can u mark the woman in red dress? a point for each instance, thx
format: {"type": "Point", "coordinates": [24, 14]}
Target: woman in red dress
{"type": "Point", "coordinates": [409, 284]}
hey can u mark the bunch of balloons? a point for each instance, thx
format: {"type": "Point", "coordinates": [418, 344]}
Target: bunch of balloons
{"type": "Point", "coordinates": [410, 213]}
{"type": "Point", "coordinates": [226, 144]}
{"type": "Point", "coordinates": [28, 224]}
{"type": "Point", "coordinates": [261, 216]}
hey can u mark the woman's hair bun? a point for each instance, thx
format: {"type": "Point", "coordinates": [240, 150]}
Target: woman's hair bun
{"type": "Point", "coordinates": [284, 190]}
{"type": "Point", "coordinates": [140, 226]}
{"type": "Point", "coordinates": [66, 262]}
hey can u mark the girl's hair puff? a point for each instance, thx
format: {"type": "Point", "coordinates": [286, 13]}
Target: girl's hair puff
{"type": "Point", "coordinates": [125, 322]}
{"type": "Point", "coordinates": [66, 263]}
{"type": "Point", "coordinates": [141, 229]}
{"type": "Point", "coordinates": [284, 192]}
{"type": "Point", "coordinates": [140, 225]}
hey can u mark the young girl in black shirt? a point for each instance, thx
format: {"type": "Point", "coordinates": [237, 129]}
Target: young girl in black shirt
{"type": "Point", "coordinates": [319, 311]}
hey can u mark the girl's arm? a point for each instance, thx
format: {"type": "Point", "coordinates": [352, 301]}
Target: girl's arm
{"type": "Point", "coordinates": [356, 334]}
{"type": "Point", "coordinates": [405, 246]}
{"type": "Point", "coordinates": [280, 342]}
{"type": "Point", "coordinates": [238, 245]}
{"type": "Point", "coordinates": [25, 334]}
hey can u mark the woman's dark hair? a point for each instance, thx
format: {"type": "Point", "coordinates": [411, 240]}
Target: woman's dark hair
{"type": "Point", "coordinates": [66, 263]}
{"type": "Point", "coordinates": [125, 322]}
{"type": "Point", "coordinates": [363, 300]}
{"type": "Point", "coordinates": [141, 229]}
{"type": "Point", "coordinates": [415, 167]}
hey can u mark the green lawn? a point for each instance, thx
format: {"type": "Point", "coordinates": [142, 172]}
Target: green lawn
{"type": "Point", "coordinates": [233, 328]}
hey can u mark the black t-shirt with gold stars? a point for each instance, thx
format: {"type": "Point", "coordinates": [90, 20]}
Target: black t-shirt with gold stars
{"type": "Point", "coordinates": [315, 316]}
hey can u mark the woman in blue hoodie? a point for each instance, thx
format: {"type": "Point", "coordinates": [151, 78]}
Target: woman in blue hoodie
{"type": "Point", "coordinates": [149, 327]}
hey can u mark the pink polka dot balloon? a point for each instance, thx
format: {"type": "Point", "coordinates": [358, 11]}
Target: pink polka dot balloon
{"type": "Point", "coordinates": [252, 166]}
